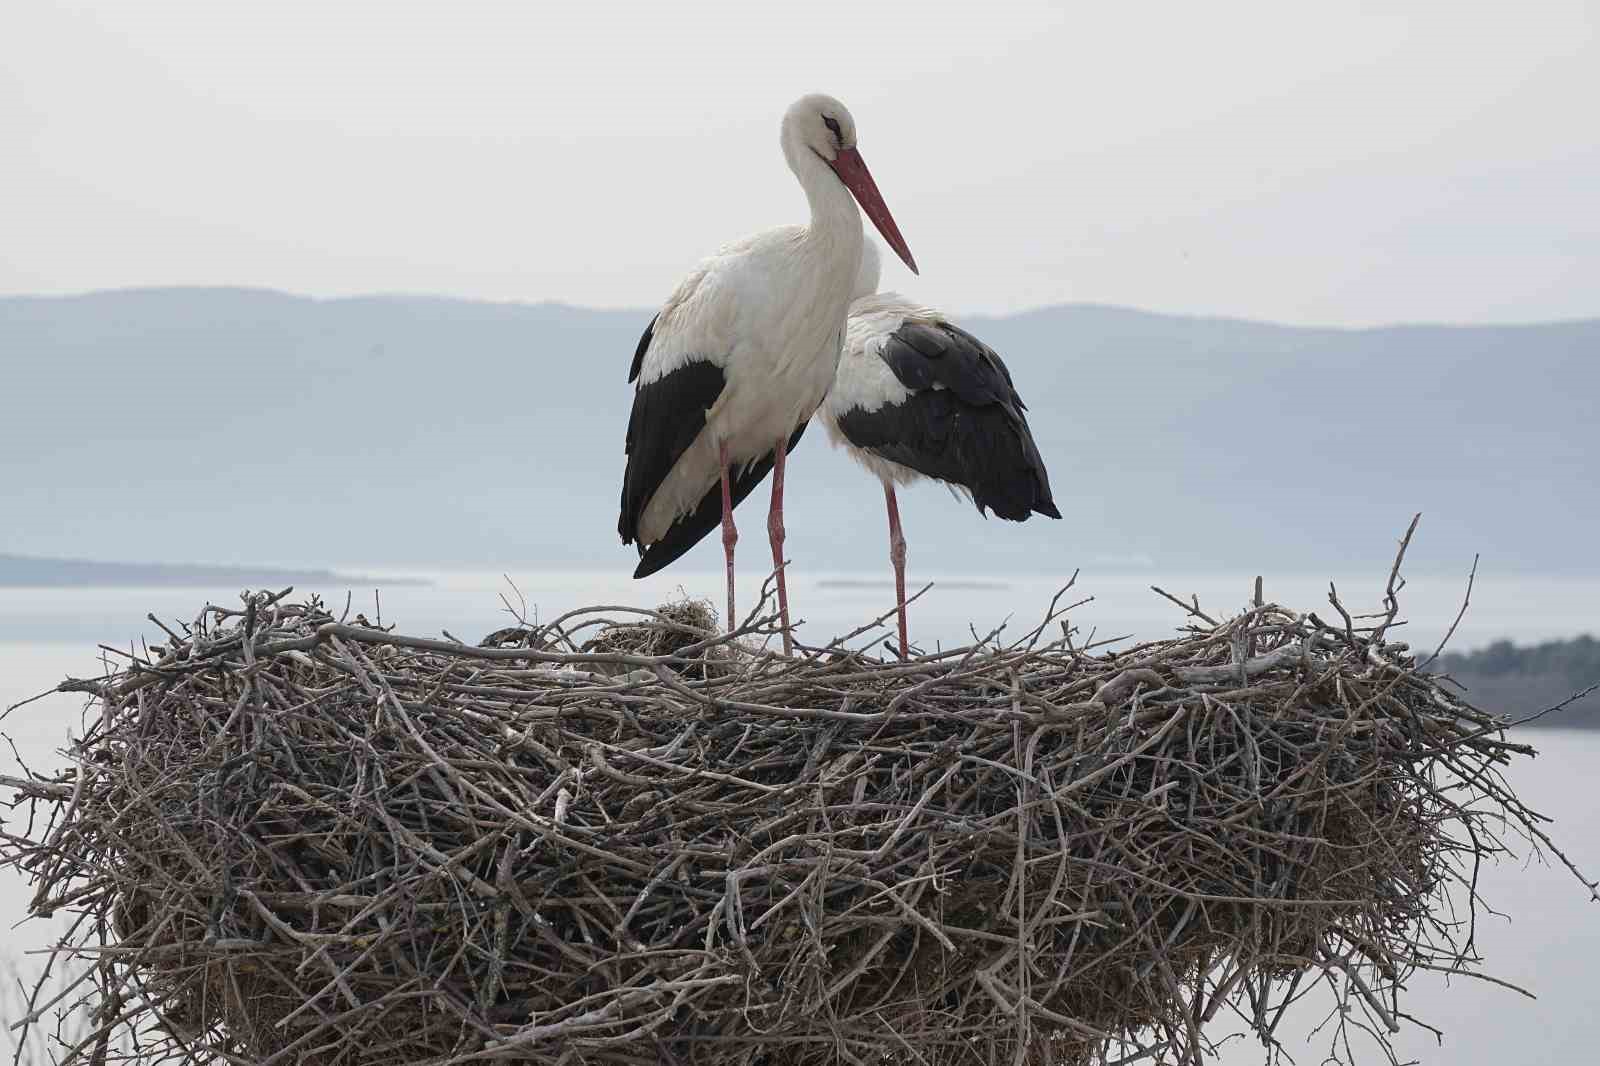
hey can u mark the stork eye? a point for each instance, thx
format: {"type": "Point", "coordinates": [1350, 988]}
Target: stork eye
{"type": "Point", "coordinates": [833, 125]}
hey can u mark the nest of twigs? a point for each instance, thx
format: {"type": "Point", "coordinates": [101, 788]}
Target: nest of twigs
{"type": "Point", "coordinates": [292, 839]}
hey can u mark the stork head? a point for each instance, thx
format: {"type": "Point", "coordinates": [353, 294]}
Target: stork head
{"type": "Point", "coordinates": [819, 124]}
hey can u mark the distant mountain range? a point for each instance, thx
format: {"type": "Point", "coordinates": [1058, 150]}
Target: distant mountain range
{"type": "Point", "coordinates": [228, 425]}
{"type": "Point", "coordinates": [21, 571]}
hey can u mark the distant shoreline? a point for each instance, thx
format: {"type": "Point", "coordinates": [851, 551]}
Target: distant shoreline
{"type": "Point", "coordinates": [25, 571]}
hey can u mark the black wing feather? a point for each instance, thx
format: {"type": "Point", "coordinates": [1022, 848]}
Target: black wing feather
{"type": "Point", "coordinates": [925, 354]}
{"type": "Point", "coordinates": [668, 414]}
{"type": "Point", "coordinates": [689, 530]}
{"type": "Point", "coordinates": [963, 422]}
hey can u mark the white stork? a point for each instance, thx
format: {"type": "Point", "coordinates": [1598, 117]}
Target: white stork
{"type": "Point", "coordinates": [917, 396]}
{"type": "Point", "coordinates": [735, 363]}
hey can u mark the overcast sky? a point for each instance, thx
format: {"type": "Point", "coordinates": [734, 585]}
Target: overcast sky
{"type": "Point", "coordinates": [1353, 164]}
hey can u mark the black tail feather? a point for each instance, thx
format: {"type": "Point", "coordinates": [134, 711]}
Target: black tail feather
{"type": "Point", "coordinates": [689, 530]}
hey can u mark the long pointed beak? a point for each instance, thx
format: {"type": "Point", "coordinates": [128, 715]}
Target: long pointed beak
{"type": "Point", "coordinates": [852, 170]}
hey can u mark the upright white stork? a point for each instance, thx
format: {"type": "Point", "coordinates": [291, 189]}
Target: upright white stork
{"type": "Point", "coordinates": [735, 363]}
{"type": "Point", "coordinates": [917, 396]}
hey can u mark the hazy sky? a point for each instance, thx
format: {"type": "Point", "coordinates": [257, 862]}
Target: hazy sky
{"type": "Point", "coordinates": [1353, 164]}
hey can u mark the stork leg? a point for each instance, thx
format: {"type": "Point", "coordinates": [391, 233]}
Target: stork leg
{"type": "Point", "coordinates": [775, 534]}
{"type": "Point", "coordinates": [730, 535]}
{"type": "Point", "coordinates": [897, 556]}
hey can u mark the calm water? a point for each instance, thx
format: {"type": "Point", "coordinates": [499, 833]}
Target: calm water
{"type": "Point", "coordinates": [468, 604]}
{"type": "Point", "coordinates": [1550, 944]}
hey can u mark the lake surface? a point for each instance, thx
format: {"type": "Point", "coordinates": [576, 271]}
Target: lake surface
{"type": "Point", "coordinates": [1550, 944]}
{"type": "Point", "coordinates": [826, 604]}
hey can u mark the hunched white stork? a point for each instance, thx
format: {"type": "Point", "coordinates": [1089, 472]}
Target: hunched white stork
{"type": "Point", "coordinates": [735, 363]}
{"type": "Point", "coordinates": [917, 396]}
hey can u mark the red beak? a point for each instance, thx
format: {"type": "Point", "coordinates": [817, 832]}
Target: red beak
{"type": "Point", "coordinates": [852, 170]}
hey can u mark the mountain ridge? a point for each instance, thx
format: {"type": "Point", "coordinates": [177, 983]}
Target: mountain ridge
{"type": "Point", "coordinates": [401, 296]}
{"type": "Point", "coordinates": [394, 428]}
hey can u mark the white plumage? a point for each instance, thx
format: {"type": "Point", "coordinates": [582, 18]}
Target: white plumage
{"type": "Point", "coordinates": [777, 356]}
{"type": "Point", "coordinates": [740, 356]}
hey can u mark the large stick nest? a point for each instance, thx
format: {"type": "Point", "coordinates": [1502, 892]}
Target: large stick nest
{"type": "Point", "coordinates": [291, 838]}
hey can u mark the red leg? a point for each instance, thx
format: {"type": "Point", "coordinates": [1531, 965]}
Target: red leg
{"type": "Point", "coordinates": [775, 534]}
{"type": "Point", "coordinates": [897, 556]}
{"type": "Point", "coordinates": [730, 535]}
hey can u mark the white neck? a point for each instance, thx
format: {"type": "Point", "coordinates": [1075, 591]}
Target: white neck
{"type": "Point", "coordinates": [835, 219]}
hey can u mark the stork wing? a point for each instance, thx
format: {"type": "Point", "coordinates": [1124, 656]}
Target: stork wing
{"type": "Point", "coordinates": [962, 423]}
{"type": "Point", "coordinates": [925, 355]}
{"type": "Point", "coordinates": [668, 413]}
